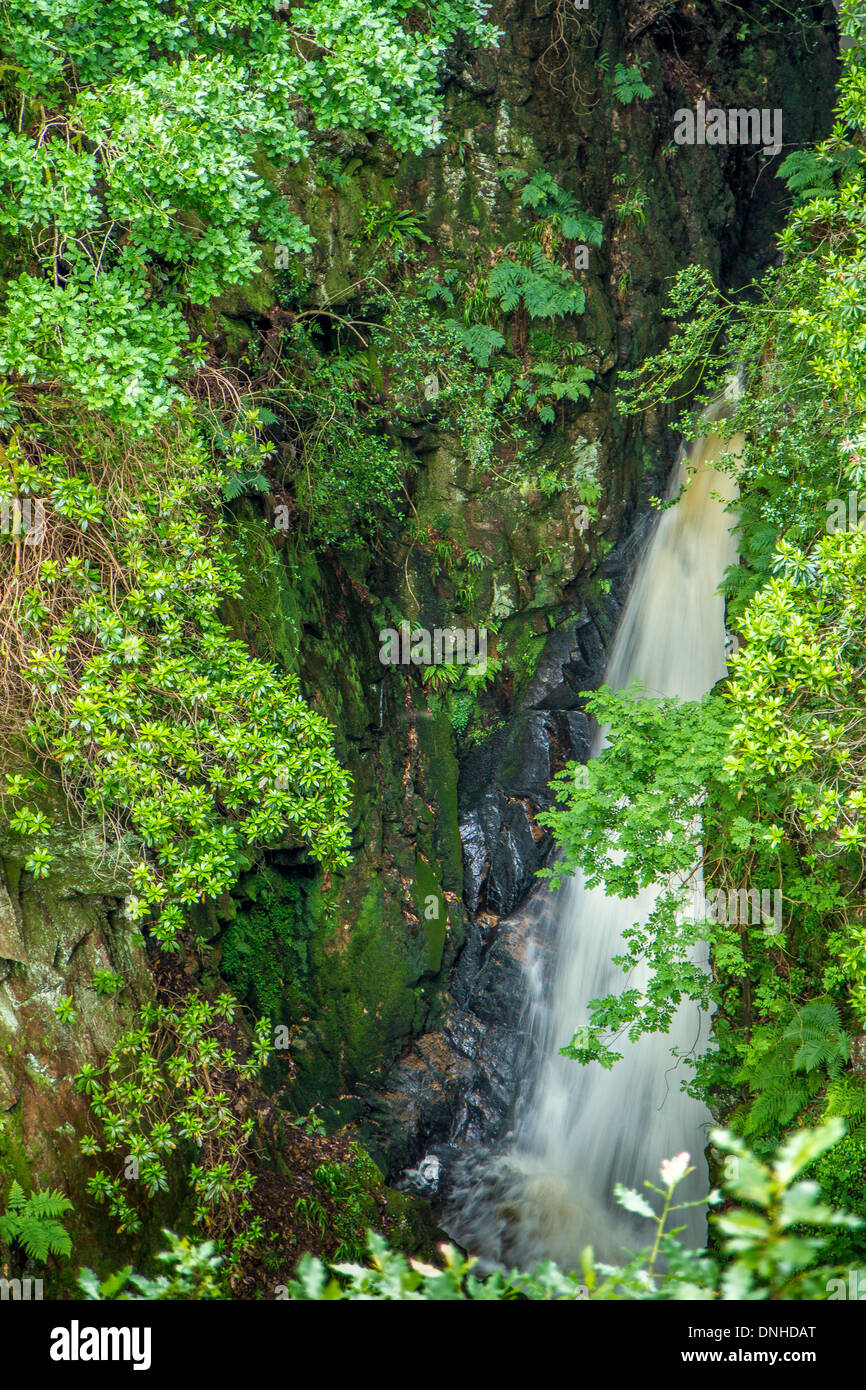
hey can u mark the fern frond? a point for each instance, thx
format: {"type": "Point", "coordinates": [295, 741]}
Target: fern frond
{"type": "Point", "coordinates": [818, 1036]}
{"type": "Point", "coordinates": [479, 340]}
{"type": "Point", "coordinates": [34, 1222]}
{"type": "Point", "coordinates": [847, 1097]}
{"type": "Point", "coordinates": [782, 1097]}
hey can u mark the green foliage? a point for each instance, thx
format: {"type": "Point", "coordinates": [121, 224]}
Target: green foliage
{"type": "Point", "coordinates": [131, 155]}
{"type": "Point", "coordinates": [786, 1070]}
{"type": "Point", "coordinates": [546, 290]}
{"type": "Point", "coordinates": [352, 1186]}
{"type": "Point", "coordinates": [687, 362]}
{"type": "Point", "coordinates": [480, 341]}
{"type": "Point", "coordinates": [354, 477]}
{"type": "Point", "coordinates": [436, 351]}
{"type": "Point", "coordinates": [632, 208]}
{"type": "Point", "coordinates": [659, 805]}
{"type": "Point", "coordinates": [398, 229]}
{"type": "Point", "coordinates": [770, 773]}
{"type": "Point", "coordinates": [265, 950]}
{"type": "Point", "coordinates": [557, 205]}
{"type": "Point", "coordinates": [240, 484]}
{"type": "Point", "coordinates": [389, 1276]}
{"type": "Point", "coordinates": [812, 173]}
{"type": "Point", "coordinates": [847, 1097]}
{"type": "Point", "coordinates": [312, 1123]}
{"type": "Point", "coordinates": [774, 1240]}
{"type": "Point", "coordinates": [774, 1232]}
{"type": "Point", "coordinates": [193, 1272]}
{"type": "Point", "coordinates": [839, 1173]}
{"type": "Point", "coordinates": [167, 1089]}
{"type": "Point", "coordinates": [346, 473]}
{"type": "Point", "coordinates": [558, 381]}
{"type": "Point", "coordinates": [160, 722]}
{"type": "Point", "coordinates": [107, 982]}
{"type": "Point", "coordinates": [66, 1012]}
{"type": "Point", "coordinates": [35, 1222]}
{"type": "Point", "coordinates": [772, 1236]}
{"type": "Point", "coordinates": [628, 83]}
{"type": "Point", "coordinates": [630, 823]}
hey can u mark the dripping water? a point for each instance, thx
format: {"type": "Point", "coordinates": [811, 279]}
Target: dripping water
{"type": "Point", "coordinates": [579, 1130]}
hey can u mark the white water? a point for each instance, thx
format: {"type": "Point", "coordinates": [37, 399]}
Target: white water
{"type": "Point", "coordinates": [584, 1128]}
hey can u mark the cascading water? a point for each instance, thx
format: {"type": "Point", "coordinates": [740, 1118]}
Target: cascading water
{"type": "Point", "coordinates": [579, 1130]}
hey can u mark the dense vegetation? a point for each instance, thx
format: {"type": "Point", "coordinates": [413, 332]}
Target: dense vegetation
{"type": "Point", "coordinates": [154, 158]}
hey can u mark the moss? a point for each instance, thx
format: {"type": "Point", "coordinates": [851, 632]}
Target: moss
{"type": "Point", "coordinates": [526, 638]}
{"type": "Point", "coordinates": [265, 952]}
{"type": "Point", "coordinates": [432, 912]}
{"type": "Point", "coordinates": [441, 772]}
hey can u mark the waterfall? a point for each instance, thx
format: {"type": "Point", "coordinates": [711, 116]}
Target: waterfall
{"type": "Point", "coordinates": [578, 1130]}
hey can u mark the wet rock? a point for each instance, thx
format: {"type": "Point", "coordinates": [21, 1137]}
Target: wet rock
{"type": "Point", "coordinates": [573, 660]}
{"type": "Point", "coordinates": [504, 783]}
{"type": "Point", "coordinates": [457, 1086]}
{"type": "Point", "coordinates": [423, 1180]}
{"type": "Point", "coordinates": [418, 1102]}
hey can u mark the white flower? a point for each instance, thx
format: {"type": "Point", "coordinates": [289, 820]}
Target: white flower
{"type": "Point", "coordinates": [672, 1169]}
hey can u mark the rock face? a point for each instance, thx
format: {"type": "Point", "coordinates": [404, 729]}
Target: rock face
{"type": "Point", "coordinates": [446, 841]}
{"type": "Point", "coordinates": [504, 782]}
{"type": "Point", "coordinates": [54, 937]}
{"type": "Point", "coordinates": [456, 1087]}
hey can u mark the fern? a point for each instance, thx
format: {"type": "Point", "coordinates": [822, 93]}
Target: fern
{"type": "Point", "coordinates": [847, 1097]}
{"type": "Point", "coordinates": [545, 197]}
{"type": "Point", "coordinates": [628, 83]}
{"type": "Point", "coordinates": [817, 1034]}
{"type": "Point", "coordinates": [796, 1064]}
{"type": "Point", "coordinates": [35, 1222]}
{"type": "Point", "coordinates": [781, 1097]}
{"type": "Point", "coordinates": [506, 283]}
{"type": "Point", "coordinates": [580, 226]}
{"type": "Point", "coordinates": [570, 382]}
{"type": "Point", "coordinates": [240, 483]}
{"type": "Point", "coordinates": [546, 290]}
{"type": "Point", "coordinates": [479, 339]}
{"type": "Point", "coordinates": [441, 676]}
{"type": "Point", "coordinates": [810, 174]}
